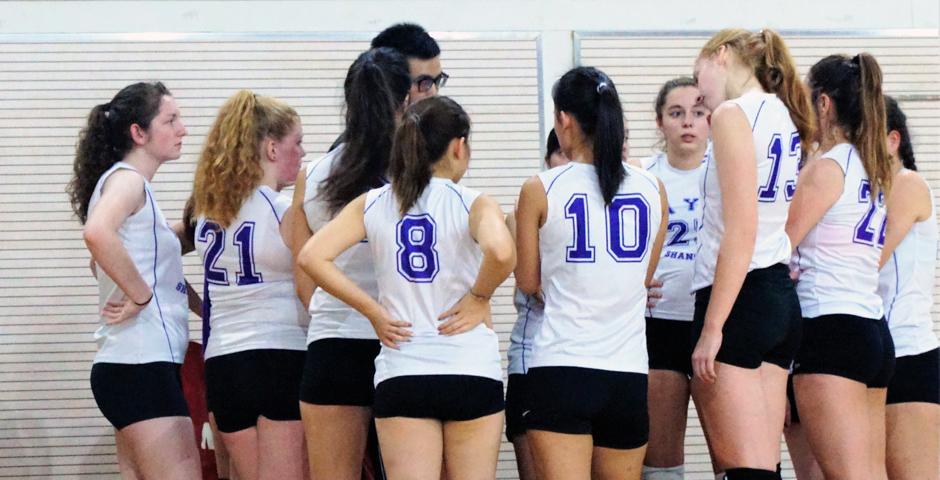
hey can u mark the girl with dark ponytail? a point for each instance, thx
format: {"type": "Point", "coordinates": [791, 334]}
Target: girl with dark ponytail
{"type": "Point", "coordinates": [837, 221]}
{"type": "Point", "coordinates": [440, 252]}
{"type": "Point", "coordinates": [144, 328]}
{"type": "Point", "coordinates": [906, 286]}
{"type": "Point", "coordinates": [746, 322]}
{"type": "Point", "coordinates": [336, 390]}
{"type": "Point", "coordinates": [589, 236]}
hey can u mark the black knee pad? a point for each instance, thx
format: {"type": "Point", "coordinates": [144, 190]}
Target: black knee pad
{"type": "Point", "coordinates": [750, 474]}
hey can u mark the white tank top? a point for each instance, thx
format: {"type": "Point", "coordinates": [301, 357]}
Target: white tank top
{"type": "Point", "coordinates": [838, 258]}
{"type": "Point", "coordinates": [594, 261]}
{"type": "Point", "coordinates": [160, 332]}
{"type": "Point", "coordinates": [683, 188]}
{"type": "Point", "coordinates": [426, 262]}
{"type": "Point", "coordinates": [906, 286]}
{"type": "Point", "coordinates": [249, 270]}
{"type": "Point", "coordinates": [777, 154]}
{"type": "Point", "coordinates": [329, 317]}
{"type": "Point", "coordinates": [529, 310]}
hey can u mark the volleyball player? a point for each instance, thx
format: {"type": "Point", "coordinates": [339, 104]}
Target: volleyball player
{"type": "Point", "coordinates": [255, 350]}
{"type": "Point", "coordinates": [746, 323]}
{"type": "Point", "coordinates": [529, 316]}
{"type": "Point", "coordinates": [144, 331]}
{"type": "Point", "coordinates": [683, 122]}
{"type": "Point", "coordinates": [836, 223]}
{"type": "Point", "coordinates": [440, 251]}
{"type": "Point", "coordinates": [906, 286]}
{"type": "Point", "coordinates": [589, 235]}
{"type": "Point", "coordinates": [337, 390]}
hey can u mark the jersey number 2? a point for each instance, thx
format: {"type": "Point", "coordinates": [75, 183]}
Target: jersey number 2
{"type": "Point", "coordinates": [622, 245]}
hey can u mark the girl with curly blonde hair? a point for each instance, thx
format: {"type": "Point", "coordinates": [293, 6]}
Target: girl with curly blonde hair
{"type": "Point", "coordinates": [255, 348]}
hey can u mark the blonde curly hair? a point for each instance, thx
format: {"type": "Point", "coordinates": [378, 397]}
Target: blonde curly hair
{"type": "Point", "coordinates": [229, 167]}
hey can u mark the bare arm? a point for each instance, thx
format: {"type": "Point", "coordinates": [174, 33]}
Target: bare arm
{"type": "Point", "coordinates": [122, 195]}
{"type": "Point", "coordinates": [819, 187]}
{"type": "Point", "coordinates": [316, 260]}
{"type": "Point", "coordinates": [530, 216]}
{"type": "Point", "coordinates": [657, 250]}
{"type": "Point", "coordinates": [908, 203]}
{"type": "Point", "coordinates": [487, 227]}
{"type": "Point", "coordinates": [296, 232]}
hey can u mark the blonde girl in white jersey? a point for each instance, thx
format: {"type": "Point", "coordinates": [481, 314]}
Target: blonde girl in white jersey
{"type": "Point", "coordinates": [255, 349]}
{"type": "Point", "coordinates": [337, 392]}
{"type": "Point", "coordinates": [683, 123]}
{"type": "Point", "coordinates": [846, 357]}
{"type": "Point", "coordinates": [440, 251]}
{"type": "Point", "coordinates": [908, 262]}
{"type": "Point", "coordinates": [746, 322]}
{"type": "Point", "coordinates": [144, 330]}
{"type": "Point", "coordinates": [589, 235]}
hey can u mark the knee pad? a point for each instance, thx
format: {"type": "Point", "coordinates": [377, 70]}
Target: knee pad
{"type": "Point", "coordinates": [663, 473]}
{"type": "Point", "coordinates": [750, 474]}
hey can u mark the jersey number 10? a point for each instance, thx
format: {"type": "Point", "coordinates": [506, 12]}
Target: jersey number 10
{"type": "Point", "coordinates": [623, 244]}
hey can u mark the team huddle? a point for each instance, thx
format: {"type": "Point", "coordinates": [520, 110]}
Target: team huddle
{"type": "Point", "coordinates": [774, 264]}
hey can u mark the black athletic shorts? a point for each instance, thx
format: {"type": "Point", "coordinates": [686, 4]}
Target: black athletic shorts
{"type": "Point", "coordinates": [441, 397]}
{"type": "Point", "coordinates": [243, 386]}
{"type": "Point", "coordinates": [609, 406]}
{"type": "Point", "coordinates": [517, 396]}
{"type": "Point", "coordinates": [848, 346]}
{"type": "Point", "coordinates": [764, 323]}
{"type": "Point", "coordinates": [131, 393]}
{"type": "Point", "coordinates": [791, 400]}
{"type": "Point", "coordinates": [916, 379]}
{"type": "Point", "coordinates": [669, 343]}
{"type": "Point", "coordinates": [340, 371]}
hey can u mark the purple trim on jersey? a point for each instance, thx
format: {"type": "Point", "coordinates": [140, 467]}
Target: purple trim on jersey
{"type": "Point", "coordinates": [156, 299]}
{"type": "Point", "coordinates": [525, 324]}
{"type": "Point", "coordinates": [462, 202]}
{"type": "Point", "coordinates": [272, 206]}
{"type": "Point", "coordinates": [848, 158]}
{"type": "Point", "coordinates": [654, 184]}
{"type": "Point", "coordinates": [761, 107]}
{"type": "Point", "coordinates": [206, 316]}
{"type": "Point", "coordinates": [314, 167]}
{"type": "Point", "coordinates": [556, 178]}
{"type": "Point", "coordinates": [375, 200]}
{"type": "Point", "coordinates": [897, 283]}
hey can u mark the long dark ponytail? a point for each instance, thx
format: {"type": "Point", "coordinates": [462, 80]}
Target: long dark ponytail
{"type": "Point", "coordinates": [106, 138]}
{"type": "Point", "coordinates": [897, 121]}
{"type": "Point", "coordinates": [426, 130]}
{"type": "Point", "coordinates": [376, 87]}
{"type": "Point", "coordinates": [591, 97]}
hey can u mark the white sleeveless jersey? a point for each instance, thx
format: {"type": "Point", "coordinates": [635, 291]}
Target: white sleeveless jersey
{"type": "Point", "coordinates": [160, 332]}
{"type": "Point", "coordinates": [425, 262]}
{"type": "Point", "coordinates": [594, 261]}
{"type": "Point", "coordinates": [329, 317]}
{"type": "Point", "coordinates": [906, 287]}
{"type": "Point", "coordinates": [529, 310]}
{"type": "Point", "coordinates": [249, 271]}
{"type": "Point", "coordinates": [777, 154]}
{"type": "Point", "coordinates": [683, 188]}
{"type": "Point", "coordinates": [838, 259]}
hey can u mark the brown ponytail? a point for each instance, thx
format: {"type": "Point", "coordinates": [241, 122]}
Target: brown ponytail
{"type": "Point", "coordinates": [426, 130]}
{"type": "Point", "coordinates": [768, 57]}
{"type": "Point", "coordinates": [854, 85]}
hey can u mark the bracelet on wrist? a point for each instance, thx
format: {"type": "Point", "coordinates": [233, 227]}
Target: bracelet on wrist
{"type": "Point", "coordinates": [146, 302]}
{"type": "Point", "coordinates": [485, 298]}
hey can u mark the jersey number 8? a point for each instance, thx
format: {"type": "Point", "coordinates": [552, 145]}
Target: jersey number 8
{"type": "Point", "coordinates": [417, 258]}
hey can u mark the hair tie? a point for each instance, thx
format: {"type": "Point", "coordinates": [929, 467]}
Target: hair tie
{"type": "Point", "coordinates": [602, 87]}
{"type": "Point", "coordinates": [413, 116]}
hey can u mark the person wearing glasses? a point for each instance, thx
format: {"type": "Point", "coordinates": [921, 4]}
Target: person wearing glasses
{"type": "Point", "coordinates": [423, 54]}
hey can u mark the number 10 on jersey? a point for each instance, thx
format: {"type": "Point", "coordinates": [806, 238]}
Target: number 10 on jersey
{"type": "Point", "coordinates": [624, 244]}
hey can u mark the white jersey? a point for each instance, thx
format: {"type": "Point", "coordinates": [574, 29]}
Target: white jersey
{"type": "Point", "coordinates": [683, 188]}
{"type": "Point", "coordinates": [838, 259]}
{"type": "Point", "coordinates": [329, 317]}
{"type": "Point", "coordinates": [906, 287]}
{"type": "Point", "coordinates": [777, 154]}
{"type": "Point", "coordinates": [594, 261]}
{"type": "Point", "coordinates": [249, 271]}
{"type": "Point", "coordinates": [425, 262]}
{"type": "Point", "coordinates": [529, 310]}
{"type": "Point", "coordinates": [160, 332]}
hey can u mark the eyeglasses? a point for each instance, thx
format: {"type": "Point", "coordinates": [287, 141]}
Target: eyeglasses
{"type": "Point", "coordinates": [425, 82]}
